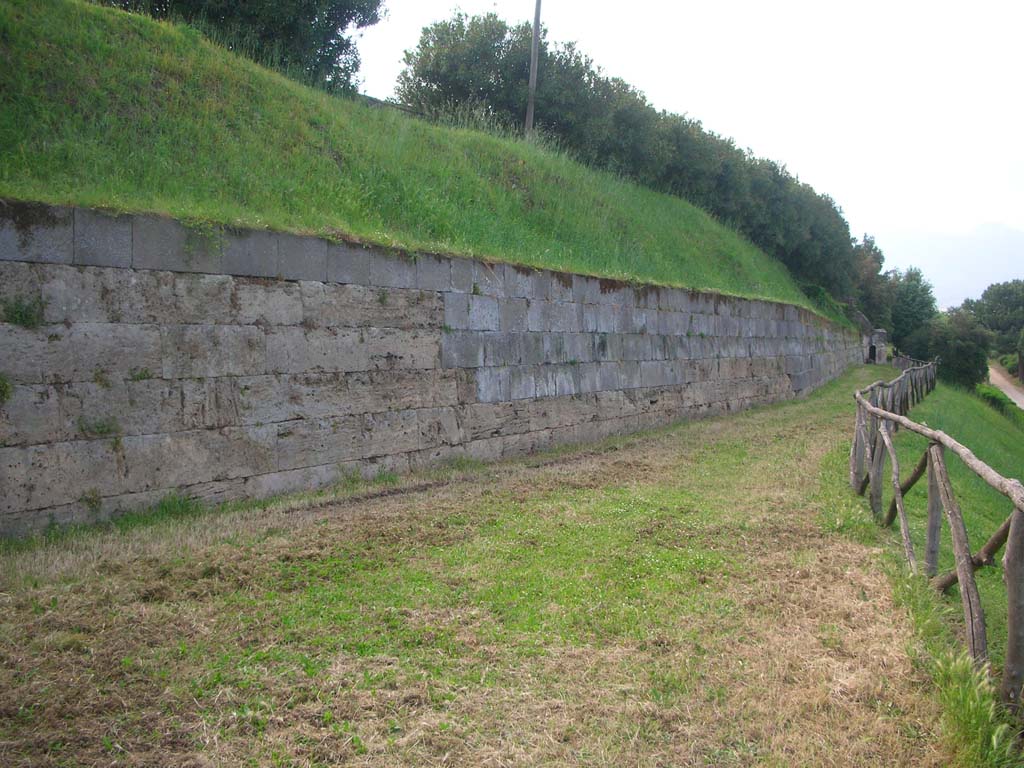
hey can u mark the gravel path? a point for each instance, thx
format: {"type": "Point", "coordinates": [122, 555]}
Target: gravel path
{"type": "Point", "coordinates": [1013, 390]}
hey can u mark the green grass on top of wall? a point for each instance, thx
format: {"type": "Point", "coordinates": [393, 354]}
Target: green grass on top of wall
{"type": "Point", "coordinates": [103, 108]}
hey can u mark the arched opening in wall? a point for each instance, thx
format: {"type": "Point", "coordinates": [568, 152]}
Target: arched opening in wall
{"type": "Point", "coordinates": [871, 353]}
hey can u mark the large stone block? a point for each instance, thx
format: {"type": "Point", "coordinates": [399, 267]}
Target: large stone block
{"type": "Point", "coordinates": [488, 279]}
{"type": "Point", "coordinates": [484, 313]}
{"type": "Point", "coordinates": [251, 252]}
{"type": "Point", "coordinates": [86, 351]}
{"type": "Point", "coordinates": [462, 275]}
{"type": "Point", "coordinates": [433, 273]}
{"type": "Point", "coordinates": [348, 263]}
{"type": "Point", "coordinates": [31, 415]}
{"type": "Point", "coordinates": [514, 315]}
{"type": "Point", "coordinates": [486, 420]}
{"type": "Point", "coordinates": [392, 271]}
{"type": "Point", "coordinates": [302, 258]}
{"type": "Point", "coordinates": [462, 349]}
{"type": "Point", "coordinates": [170, 461]}
{"type": "Point", "coordinates": [159, 243]}
{"type": "Point", "coordinates": [127, 407]}
{"type": "Point", "coordinates": [312, 442]}
{"type": "Point", "coordinates": [267, 302]}
{"type": "Point", "coordinates": [329, 305]}
{"type": "Point", "coordinates": [102, 239]}
{"type": "Point", "coordinates": [191, 351]}
{"type": "Point", "coordinates": [43, 476]}
{"type": "Point", "coordinates": [36, 232]}
{"type": "Point", "coordinates": [390, 432]}
{"type": "Point", "coordinates": [493, 385]}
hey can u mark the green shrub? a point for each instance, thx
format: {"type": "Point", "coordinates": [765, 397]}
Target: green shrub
{"type": "Point", "coordinates": [998, 400]}
{"type": "Point", "coordinates": [1010, 362]}
{"type": "Point", "coordinates": [6, 390]}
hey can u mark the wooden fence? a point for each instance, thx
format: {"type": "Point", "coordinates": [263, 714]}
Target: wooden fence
{"type": "Point", "coordinates": [881, 410]}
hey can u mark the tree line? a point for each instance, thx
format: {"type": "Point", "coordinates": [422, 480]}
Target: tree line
{"type": "Point", "coordinates": [605, 122]}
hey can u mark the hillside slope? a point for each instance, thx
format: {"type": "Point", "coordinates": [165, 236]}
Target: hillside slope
{"type": "Point", "coordinates": [103, 108]}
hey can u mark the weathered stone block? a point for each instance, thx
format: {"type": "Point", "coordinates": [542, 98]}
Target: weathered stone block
{"type": "Point", "coordinates": [302, 258]}
{"type": "Point", "coordinates": [489, 279]}
{"type": "Point", "coordinates": [514, 315]}
{"type": "Point", "coordinates": [184, 458]}
{"type": "Point", "coordinates": [391, 432]}
{"type": "Point", "coordinates": [502, 349]}
{"type": "Point", "coordinates": [311, 442]}
{"type": "Point", "coordinates": [462, 275]}
{"type": "Point", "coordinates": [456, 311]}
{"type": "Point", "coordinates": [267, 302]}
{"type": "Point", "coordinates": [56, 354]}
{"type": "Point", "coordinates": [484, 314]}
{"type": "Point", "coordinates": [36, 232]}
{"type": "Point", "coordinates": [522, 383]}
{"type": "Point", "coordinates": [433, 273]}
{"type": "Point", "coordinates": [159, 243]}
{"type": "Point", "coordinates": [339, 306]}
{"type": "Point", "coordinates": [462, 349]}
{"type": "Point", "coordinates": [101, 239]}
{"type": "Point", "coordinates": [348, 264]}
{"type": "Point", "coordinates": [493, 385]}
{"type": "Point", "coordinates": [31, 415]}
{"type": "Point", "coordinates": [251, 252]}
{"type": "Point", "coordinates": [392, 271]}
{"type": "Point", "coordinates": [191, 351]}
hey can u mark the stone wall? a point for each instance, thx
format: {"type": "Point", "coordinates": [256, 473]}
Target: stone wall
{"type": "Point", "coordinates": [241, 364]}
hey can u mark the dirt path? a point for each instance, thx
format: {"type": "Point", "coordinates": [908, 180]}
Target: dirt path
{"type": "Point", "coordinates": [671, 599]}
{"type": "Point", "coordinates": [1010, 388]}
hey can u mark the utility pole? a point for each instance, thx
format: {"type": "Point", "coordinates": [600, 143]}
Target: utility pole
{"type": "Point", "coordinates": [534, 53]}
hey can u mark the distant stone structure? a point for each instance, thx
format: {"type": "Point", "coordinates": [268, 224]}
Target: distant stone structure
{"type": "Point", "coordinates": [877, 347]}
{"type": "Point", "coordinates": [228, 364]}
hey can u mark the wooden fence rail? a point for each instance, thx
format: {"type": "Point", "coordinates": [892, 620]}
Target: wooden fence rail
{"type": "Point", "coordinates": [882, 409]}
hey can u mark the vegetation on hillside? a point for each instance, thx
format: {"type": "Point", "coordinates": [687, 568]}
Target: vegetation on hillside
{"type": "Point", "coordinates": [1001, 309]}
{"type": "Point", "coordinates": [997, 440]}
{"type": "Point", "coordinates": [149, 116]}
{"type": "Point", "coordinates": [307, 40]}
{"type": "Point", "coordinates": [608, 123]}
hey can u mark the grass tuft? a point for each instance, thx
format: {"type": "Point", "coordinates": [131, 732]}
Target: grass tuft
{"type": "Point", "coordinates": [28, 313]}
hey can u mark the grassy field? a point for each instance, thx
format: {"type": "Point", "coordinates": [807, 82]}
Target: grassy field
{"type": "Point", "coordinates": [997, 440]}
{"type": "Point", "coordinates": [709, 594]}
{"type": "Point", "coordinates": [102, 108]}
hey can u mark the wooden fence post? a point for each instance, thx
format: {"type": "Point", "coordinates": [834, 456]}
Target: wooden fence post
{"type": "Point", "coordinates": [877, 464]}
{"type": "Point", "coordinates": [931, 552]}
{"type": "Point", "coordinates": [908, 546]}
{"type": "Point", "coordinates": [1013, 573]}
{"type": "Point", "coordinates": [857, 450]}
{"type": "Point", "coordinates": [974, 615]}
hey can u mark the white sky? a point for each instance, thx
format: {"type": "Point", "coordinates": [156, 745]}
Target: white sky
{"type": "Point", "coordinates": [909, 114]}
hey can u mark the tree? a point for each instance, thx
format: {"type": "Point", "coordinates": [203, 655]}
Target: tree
{"type": "Point", "coordinates": [1020, 356]}
{"type": "Point", "coordinates": [876, 290]}
{"type": "Point", "coordinates": [962, 344]}
{"type": "Point", "coordinates": [305, 37]}
{"type": "Point", "coordinates": [913, 305]}
{"type": "Point", "coordinates": [1001, 309]}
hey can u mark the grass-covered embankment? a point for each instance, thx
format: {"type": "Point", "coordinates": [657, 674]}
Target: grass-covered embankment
{"type": "Point", "coordinates": [103, 108]}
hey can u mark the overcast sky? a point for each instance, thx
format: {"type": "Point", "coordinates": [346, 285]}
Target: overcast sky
{"type": "Point", "coordinates": [909, 114]}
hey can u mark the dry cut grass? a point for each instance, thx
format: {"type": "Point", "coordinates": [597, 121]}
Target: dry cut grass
{"type": "Point", "coordinates": [669, 599]}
